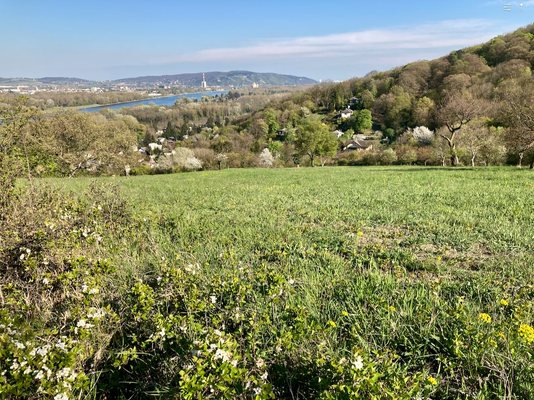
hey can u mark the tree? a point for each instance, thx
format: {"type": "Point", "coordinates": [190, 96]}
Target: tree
{"type": "Point", "coordinates": [423, 135]}
{"type": "Point", "coordinates": [266, 158]}
{"type": "Point", "coordinates": [14, 116]}
{"type": "Point", "coordinates": [363, 121]}
{"type": "Point", "coordinates": [518, 101]}
{"type": "Point", "coordinates": [76, 140]}
{"type": "Point", "coordinates": [221, 158]}
{"type": "Point", "coordinates": [455, 111]}
{"type": "Point", "coordinates": [388, 157]}
{"type": "Point", "coordinates": [473, 137]}
{"type": "Point", "coordinates": [315, 139]}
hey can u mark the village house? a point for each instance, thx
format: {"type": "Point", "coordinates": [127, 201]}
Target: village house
{"type": "Point", "coordinates": [347, 113]}
{"type": "Point", "coordinates": [354, 100]}
{"type": "Point", "coordinates": [357, 144]}
{"type": "Point", "coordinates": [338, 133]}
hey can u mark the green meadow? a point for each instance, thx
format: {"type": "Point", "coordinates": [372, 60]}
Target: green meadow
{"type": "Point", "coordinates": [331, 283]}
{"type": "Point", "coordinates": [423, 274]}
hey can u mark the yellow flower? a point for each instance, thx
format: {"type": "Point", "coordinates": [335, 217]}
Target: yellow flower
{"type": "Point", "coordinates": [360, 233]}
{"type": "Point", "coordinates": [432, 380]}
{"type": "Point", "coordinates": [438, 258]}
{"type": "Point", "coordinates": [345, 313]}
{"type": "Point", "coordinates": [504, 302]}
{"type": "Point", "coordinates": [332, 323]}
{"type": "Point", "coordinates": [484, 318]}
{"type": "Point", "coordinates": [391, 308]}
{"type": "Point", "coordinates": [526, 333]}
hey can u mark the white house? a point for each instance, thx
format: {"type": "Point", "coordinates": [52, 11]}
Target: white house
{"type": "Point", "coordinates": [347, 113]}
{"type": "Point", "coordinates": [338, 133]}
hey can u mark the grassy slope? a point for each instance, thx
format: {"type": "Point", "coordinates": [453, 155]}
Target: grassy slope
{"type": "Point", "coordinates": [356, 239]}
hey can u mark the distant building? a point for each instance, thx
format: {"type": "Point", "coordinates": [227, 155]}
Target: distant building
{"type": "Point", "coordinates": [355, 100]}
{"type": "Point", "coordinates": [338, 133]}
{"type": "Point", "coordinates": [347, 113]}
{"type": "Point", "coordinates": [357, 144]}
{"type": "Point", "coordinates": [255, 85]}
{"type": "Point", "coordinates": [204, 83]}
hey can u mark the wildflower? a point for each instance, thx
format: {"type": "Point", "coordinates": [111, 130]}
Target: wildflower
{"type": "Point", "coordinates": [217, 332]}
{"type": "Point", "coordinates": [360, 234]}
{"type": "Point", "coordinates": [484, 318]}
{"type": "Point", "coordinates": [342, 361]}
{"type": "Point", "coordinates": [93, 291]}
{"type": "Point", "coordinates": [61, 396]}
{"type": "Point", "coordinates": [162, 332]}
{"type": "Point", "coordinates": [46, 281]}
{"type": "Point", "coordinates": [391, 308]}
{"type": "Point", "coordinates": [526, 333]}
{"type": "Point", "coordinates": [213, 299]}
{"type": "Point", "coordinates": [345, 313]}
{"type": "Point", "coordinates": [432, 380]}
{"type": "Point", "coordinates": [221, 354]}
{"type": "Point", "coordinates": [40, 375]}
{"type": "Point", "coordinates": [332, 323]}
{"type": "Point", "coordinates": [291, 281]}
{"type": "Point", "coordinates": [234, 363]}
{"type": "Point", "coordinates": [260, 363]}
{"type": "Point", "coordinates": [264, 376]}
{"type": "Point", "coordinates": [438, 258]}
{"type": "Point", "coordinates": [159, 278]}
{"type": "Point", "coordinates": [81, 323]}
{"type": "Point", "coordinates": [504, 302]}
{"type": "Point", "coordinates": [358, 364]}
{"type": "Point", "coordinates": [257, 391]}
{"type": "Point", "coordinates": [22, 256]}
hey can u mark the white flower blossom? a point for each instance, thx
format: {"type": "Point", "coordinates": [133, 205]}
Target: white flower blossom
{"type": "Point", "coordinates": [358, 364]}
{"type": "Point", "coordinates": [40, 375]}
{"type": "Point", "coordinates": [264, 376]}
{"type": "Point", "coordinates": [61, 396]}
{"type": "Point", "coordinates": [257, 391]}
{"type": "Point", "coordinates": [260, 363]}
{"type": "Point", "coordinates": [81, 323]}
{"type": "Point", "coordinates": [46, 281]}
{"type": "Point", "coordinates": [213, 299]}
{"type": "Point", "coordinates": [221, 354]}
{"type": "Point", "coordinates": [291, 281]}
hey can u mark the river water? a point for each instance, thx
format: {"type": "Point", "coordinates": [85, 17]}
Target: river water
{"type": "Point", "coordinates": [159, 101]}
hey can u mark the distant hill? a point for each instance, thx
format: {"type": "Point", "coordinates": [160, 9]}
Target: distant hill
{"type": "Point", "coordinates": [232, 78]}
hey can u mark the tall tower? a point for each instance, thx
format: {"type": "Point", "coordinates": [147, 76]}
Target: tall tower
{"type": "Point", "coordinates": [204, 84]}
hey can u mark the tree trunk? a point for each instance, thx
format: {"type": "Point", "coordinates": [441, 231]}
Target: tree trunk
{"type": "Point", "coordinates": [312, 159]}
{"type": "Point", "coordinates": [520, 160]}
{"type": "Point", "coordinates": [473, 161]}
{"type": "Point", "coordinates": [532, 165]}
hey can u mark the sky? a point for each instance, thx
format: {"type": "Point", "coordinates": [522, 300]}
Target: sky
{"type": "Point", "coordinates": [113, 39]}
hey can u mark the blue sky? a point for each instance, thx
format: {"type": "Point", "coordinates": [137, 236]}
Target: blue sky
{"type": "Point", "coordinates": [115, 39]}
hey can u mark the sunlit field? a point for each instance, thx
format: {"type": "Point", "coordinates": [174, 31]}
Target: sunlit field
{"type": "Point", "coordinates": [327, 283]}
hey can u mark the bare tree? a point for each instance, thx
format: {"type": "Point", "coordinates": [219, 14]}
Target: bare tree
{"type": "Point", "coordinates": [518, 107]}
{"type": "Point", "coordinates": [455, 111]}
{"type": "Point", "coordinates": [473, 136]}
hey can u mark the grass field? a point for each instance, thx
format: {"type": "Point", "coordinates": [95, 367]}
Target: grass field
{"type": "Point", "coordinates": [343, 281]}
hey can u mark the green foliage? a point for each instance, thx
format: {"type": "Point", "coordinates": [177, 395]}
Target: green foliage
{"type": "Point", "coordinates": [315, 139]}
{"type": "Point", "coordinates": [363, 121]}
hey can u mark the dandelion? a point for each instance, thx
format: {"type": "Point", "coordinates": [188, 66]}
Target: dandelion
{"type": "Point", "coordinates": [504, 302]}
{"type": "Point", "coordinates": [484, 318]}
{"type": "Point", "coordinates": [358, 364]}
{"type": "Point", "coordinates": [391, 308]}
{"type": "Point", "coordinates": [332, 323]}
{"type": "Point", "coordinates": [345, 313]}
{"type": "Point", "coordinates": [432, 380]}
{"type": "Point", "coordinates": [526, 333]}
{"type": "Point", "coordinates": [438, 258]}
{"type": "Point", "coordinates": [360, 234]}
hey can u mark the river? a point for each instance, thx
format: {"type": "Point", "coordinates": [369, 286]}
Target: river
{"type": "Point", "coordinates": [159, 101]}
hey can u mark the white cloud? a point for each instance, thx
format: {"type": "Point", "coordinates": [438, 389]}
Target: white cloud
{"type": "Point", "coordinates": [378, 42]}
